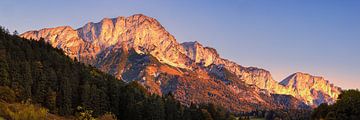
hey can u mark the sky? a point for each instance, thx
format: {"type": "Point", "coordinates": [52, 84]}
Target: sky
{"type": "Point", "coordinates": [320, 37]}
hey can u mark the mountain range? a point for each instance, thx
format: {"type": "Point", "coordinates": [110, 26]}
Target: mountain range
{"type": "Point", "coordinates": [138, 48]}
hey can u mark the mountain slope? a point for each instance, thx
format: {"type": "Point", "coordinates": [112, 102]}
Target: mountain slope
{"type": "Point", "coordinates": [139, 48]}
{"type": "Point", "coordinates": [38, 81]}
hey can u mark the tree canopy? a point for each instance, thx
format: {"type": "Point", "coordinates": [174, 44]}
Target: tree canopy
{"type": "Point", "coordinates": [347, 107]}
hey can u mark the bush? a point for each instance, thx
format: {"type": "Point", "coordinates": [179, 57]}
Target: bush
{"type": "Point", "coordinates": [22, 111]}
{"type": "Point", "coordinates": [107, 116]}
{"type": "Point", "coordinates": [84, 114]}
{"type": "Point", "coordinates": [7, 95]}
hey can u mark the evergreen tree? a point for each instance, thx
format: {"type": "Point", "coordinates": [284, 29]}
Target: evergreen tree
{"type": "Point", "coordinates": [4, 75]}
{"type": "Point", "coordinates": [85, 95]}
{"type": "Point", "coordinates": [51, 78]}
{"type": "Point", "coordinates": [173, 109]}
{"type": "Point", "coordinates": [154, 108]}
{"type": "Point", "coordinates": [63, 102]}
{"type": "Point", "coordinates": [51, 100]}
{"type": "Point", "coordinates": [40, 86]}
{"type": "Point", "coordinates": [4, 67]}
{"type": "Point", "coordinates": [115, 96]}
{"type": "Point", "coordinates": [15, 33]}
{"type": "Point", "coordinates": [217, 112]}
{"type": "Point", "coordinates": [205, 115]}
{"type": "Point", "coordinates": [27, 82]}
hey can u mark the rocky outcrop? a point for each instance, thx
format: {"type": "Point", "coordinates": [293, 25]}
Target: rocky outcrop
{"type": "Point", "coordinates": [206, 56]}
{"type": "Point", "coordinates": [139, 48]}
{"type": "Point", "coordinates": [312, 89]}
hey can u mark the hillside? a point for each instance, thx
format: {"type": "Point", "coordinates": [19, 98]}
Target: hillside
{"type": "Point", "coordinates": [37, 81]}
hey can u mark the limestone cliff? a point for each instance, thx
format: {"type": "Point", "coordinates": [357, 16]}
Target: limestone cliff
{"type": "Point", "coordinates": [118, 45]}
{"type": "Point", "coordinates": [312, 89]}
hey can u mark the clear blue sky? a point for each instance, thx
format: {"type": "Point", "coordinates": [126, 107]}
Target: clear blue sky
{"type": "Point", "coordinates": [320, 37]}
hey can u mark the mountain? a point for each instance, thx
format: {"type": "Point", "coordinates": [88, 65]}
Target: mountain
{"type": "Point", "coordinates": [312, 89]}
{"type": "Point", "coordinates": [138, 48]}
{"type": "Point", "coordinates": [39, 82]}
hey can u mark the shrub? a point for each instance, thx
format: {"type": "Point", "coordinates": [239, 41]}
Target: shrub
{"type": "Point", "coordinates": [22, 111]}
{"type": "Point", "coordinates": [7, 95]}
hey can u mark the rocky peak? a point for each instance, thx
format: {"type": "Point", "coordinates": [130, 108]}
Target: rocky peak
{"type": "Point", "coordinates": [200, 54]}
{"type": "Point", "coordinates": [309, 88]}
{"type": "Point", "coordinates": [108, 30]}
{"type": "Point", "coordinates": [105, 44]}
{"type": "Point", "coordinates": [144, 34]}
{"type": "Point", "coordinates": [191, 44]}
{"type": "Point", "coordinates": [299, 80]}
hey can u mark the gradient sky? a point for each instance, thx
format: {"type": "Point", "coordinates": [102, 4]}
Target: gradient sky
{"type": "Point", "coordinates": [320, 37]}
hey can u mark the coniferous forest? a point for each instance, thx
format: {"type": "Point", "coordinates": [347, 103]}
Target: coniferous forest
{"type": "Point", "coordinates": [38, 81]}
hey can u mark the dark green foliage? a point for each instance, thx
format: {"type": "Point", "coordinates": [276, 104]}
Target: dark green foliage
{"type": "Point", "coordinates": [7, 95]}
{"type": "Point", "coordinates": [51, 100]}
{"type": "Point", "coordinates": [34, 71]}
{"type": "Point", "coordinates": [27, 82]}
{"type": "Point", "coordinates": [173, 109]}
{"type": "Point", "coordinates": [206, 115]}
{"type": "Point", "coordinates": [4, 74]}
{"type": "Point", "coordinates": [4, 68]}
{"type": "Point", "coordinates": [321, 111]}
{"type": "Point", "coordinates": [40, 86]}
{"type": "Point", "coordinates": [347, 107]}
{"type": "Point", "coordinates": [154, 108]}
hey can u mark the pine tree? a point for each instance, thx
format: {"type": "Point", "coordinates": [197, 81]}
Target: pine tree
{"type": "Point", "coordinates": [4, 75]}
{"type": "Point", "coordinates": [51, 100]}
{"type": "Point", "coordinates": [64, 102]}
{"type": "Point", "coordinates": [154, 108]}
{"type": "Point", "coordinates": [27, 81]}
{"type": "Point", "coordinates": [173, 109]}
{"type": "Point", "coordinates": [217, 112]}
{"type": "Point", "coordinates": [51, 78]}
{"type": "Point", "coordinates": [40, 86]}
{"type": "Point", "coordinates": [85, 95]}
{"type": "Point", "coordinates": [206, 115]}
{"type": "Point", "coordinates": [4, 67]}
{"type": "Point", "coordinates": [114, 96]}
{"type": "Point", "coordinates": [15, 33]}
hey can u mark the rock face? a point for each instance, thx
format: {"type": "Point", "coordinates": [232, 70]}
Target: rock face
{"type": "Point", "coordinates": [311, 89]}
{"type": "Point", "coordinates": [138, 48]}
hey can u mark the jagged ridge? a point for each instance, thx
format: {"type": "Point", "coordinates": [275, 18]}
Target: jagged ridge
{"type": "Point", "coordinates": [106, 45]}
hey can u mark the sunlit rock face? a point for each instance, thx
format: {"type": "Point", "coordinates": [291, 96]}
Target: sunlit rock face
{"type": "Point", "coordinates": [206, 56]}
{"type": "Point", "coordinates": [140, 32]}
{"type": "Point", "coordinates": [312, 89]}
{"type": "Point", "coordinates": [139, 48]}
{"type": "Point", "coordinates": [68, 40]}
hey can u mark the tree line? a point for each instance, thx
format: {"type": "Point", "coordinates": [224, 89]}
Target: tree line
{"type": "Point", "coordinates": [347, 107]}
